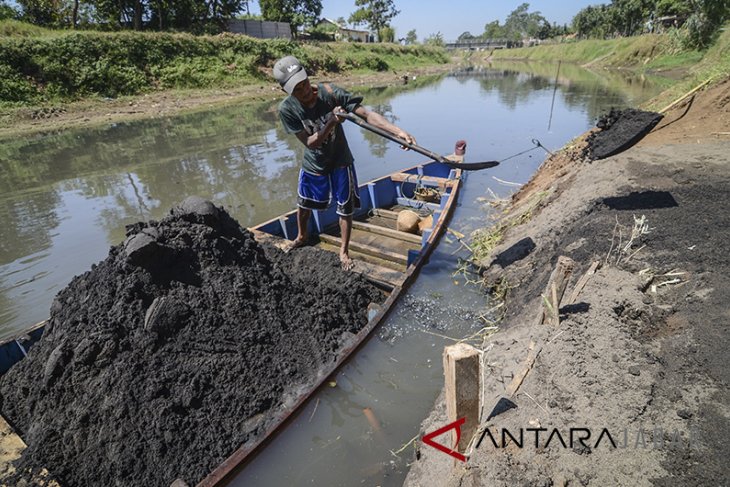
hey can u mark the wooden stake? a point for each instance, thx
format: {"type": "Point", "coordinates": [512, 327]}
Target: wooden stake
{"type": "Point", "coordinates": [556, 288]}
{"type": "Point", "coordinates": [463, 392]}
{"type": "Point", "coordinates": [534, 351]}
{"type": "Point", "coordinates": [582, 282]}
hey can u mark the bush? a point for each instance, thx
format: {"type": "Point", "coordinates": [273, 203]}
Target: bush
{"type": "Point", "coordinates": [63, 65]}
{"type": "Point", "coordinates": [7, 12]}
{"type": "Point", "coordinates": [376, 63]}
{"type": "Point", "coordinates": [13, 87]}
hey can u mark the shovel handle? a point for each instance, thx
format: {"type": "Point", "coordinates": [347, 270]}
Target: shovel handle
{"type": "Point", "coordinates": [362, 123]}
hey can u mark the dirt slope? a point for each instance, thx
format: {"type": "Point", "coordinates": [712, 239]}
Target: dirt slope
{"type": "Point", "coordinates": [643, 351]}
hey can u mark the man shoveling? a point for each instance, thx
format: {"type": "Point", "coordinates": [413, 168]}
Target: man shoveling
{"type": "Point", "coordinates": [327, 172]}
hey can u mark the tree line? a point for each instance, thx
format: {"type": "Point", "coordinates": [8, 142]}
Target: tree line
{"type": "Point", "coordinates": [700, 19]}
{"type": "Point", "coordinates": [196, 16]}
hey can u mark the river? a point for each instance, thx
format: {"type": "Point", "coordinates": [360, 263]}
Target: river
{"type": "Point", "coordinates": [66, 198]}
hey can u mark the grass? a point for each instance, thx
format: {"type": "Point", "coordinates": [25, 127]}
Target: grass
{"type": "Point", "coordinates": [486, 239]}
{"type": "Point", "coordinates": [15, 28]}
{"type": "Point", "coordinates": [714, 66]}
{"type": "Point", "coordinates": [640, 53]}
{"type": "Point", "coordinates": [40, 66]}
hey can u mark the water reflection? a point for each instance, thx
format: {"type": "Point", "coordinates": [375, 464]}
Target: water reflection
{"type": "Point", "coordinates": [65, 198]}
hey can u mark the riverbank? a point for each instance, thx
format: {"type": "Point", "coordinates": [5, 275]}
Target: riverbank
{"type": "Point", "coordinates": [641, 351]}
{"type": "Point", "coordinates": [643, 54]}
{"type": "Point", "coordinates": [94, 112]}
{"type": "Point", "coordinates": [651, 54]}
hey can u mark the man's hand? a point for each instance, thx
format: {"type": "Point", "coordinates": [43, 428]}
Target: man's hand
{"type": "Point", "coordinates": [338, 110]}
{"type": "Point", "coordinates": [407, 137]}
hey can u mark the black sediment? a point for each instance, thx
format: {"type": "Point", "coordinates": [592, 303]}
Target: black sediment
{"type": "Point", "coordinates": [177, 349]}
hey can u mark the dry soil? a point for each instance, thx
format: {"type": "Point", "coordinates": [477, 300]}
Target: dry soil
{"type": "Point", "coordinates": [643, 350]}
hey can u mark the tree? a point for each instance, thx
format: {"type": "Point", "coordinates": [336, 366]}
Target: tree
{"type": "Point", "coordinates": [592, 22]}
{"type": "Point", "coordinates": [41, 12]}
{"type": "Point", "coordinates": [520, 23]}
{"type": "Point", "coordinates": [672, 7]}
{"type": "Point", "coordinates": [296, 12]}
{"type": "Point", "coordinates": [628, 17]}
{"type": "Point", "coordinates": [411, 37]}
{"type": "Point", "coordinates": [375, 13]}
{"type": "Point", "coordinates": [7, 12]}
{"type": "Point", "coordinates": [436, 39]}
{"type": "Point", "coordinates": [516, 24]}
{"type": "Point", "coordinates": [706, 20]}
{"type": "Point", "coordinates": [493, 30]}
{"type": "Point", "coordinates": [545, 30]}
{"type": "Point", "coordinates": [386, 34]}
{"type": "Point", "coordinates": [465, 36]}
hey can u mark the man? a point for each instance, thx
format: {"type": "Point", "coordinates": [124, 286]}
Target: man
{"type": "Point", "coordinates": [311, 113]}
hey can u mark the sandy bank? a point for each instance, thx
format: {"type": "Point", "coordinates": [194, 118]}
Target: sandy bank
{"type": "Point", "coordinates": [642, 351]}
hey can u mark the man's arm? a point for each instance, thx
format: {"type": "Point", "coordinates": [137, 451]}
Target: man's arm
{"type": "Point", "coordinates": [318, 138]}
{"type": "Point", "coordinates": [379, 121]}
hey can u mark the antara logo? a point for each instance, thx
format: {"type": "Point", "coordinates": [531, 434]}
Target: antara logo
{"type": "Point", "coordinates": [428, 439]}
{"type": "Point", "coordinates": [583, 438]}
{"type": "Point", "coordinates": [293, 67]}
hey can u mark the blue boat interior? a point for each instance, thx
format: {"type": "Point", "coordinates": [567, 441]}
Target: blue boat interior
{"type": "Point", "coordinates": [384, 193]}
{"type": "Point", "coordinates": [15, 349]}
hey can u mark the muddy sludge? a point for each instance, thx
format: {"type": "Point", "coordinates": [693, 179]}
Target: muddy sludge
{"type": "Point", "coordinates": [619, 130]}
{"type": "Point", "coordinates": [177, 349]}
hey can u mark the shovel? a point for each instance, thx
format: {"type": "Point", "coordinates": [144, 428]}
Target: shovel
{"type": "Point", "coordinates": [466, 166]}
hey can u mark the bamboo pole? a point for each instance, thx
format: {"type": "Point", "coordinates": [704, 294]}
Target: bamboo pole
{"type": "Point", "coordinates": [683, 97]}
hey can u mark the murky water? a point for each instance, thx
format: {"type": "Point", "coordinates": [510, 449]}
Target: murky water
{"type": "Point", "coordinates": [65, 198]}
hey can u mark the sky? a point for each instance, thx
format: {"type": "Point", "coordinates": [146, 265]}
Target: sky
{"type": "Point", "coordinates": [453, 17]}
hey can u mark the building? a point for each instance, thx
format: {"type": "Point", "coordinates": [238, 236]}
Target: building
{"type": "Point", "coordinates": [347, 35]}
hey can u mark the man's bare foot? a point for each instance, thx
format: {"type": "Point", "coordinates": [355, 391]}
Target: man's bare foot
{"type": "Point", "coordinates": [295, 244]}
{"type": "Point", "coordinates": [346, 262]}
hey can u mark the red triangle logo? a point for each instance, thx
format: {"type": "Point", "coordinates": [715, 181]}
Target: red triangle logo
{"type": "Point", "coordinates": [428, 439]}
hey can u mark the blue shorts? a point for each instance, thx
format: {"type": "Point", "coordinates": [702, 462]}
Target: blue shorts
{"type": "Point", "coordinates": [316, 191]}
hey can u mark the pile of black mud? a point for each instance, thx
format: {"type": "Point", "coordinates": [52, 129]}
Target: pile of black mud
{"type": "Point", "coordinates": [176, 350]}
{"type": "Point", "coordinates": [620, 129]}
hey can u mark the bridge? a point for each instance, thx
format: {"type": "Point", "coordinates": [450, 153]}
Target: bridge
{"type": "Point", "coordinates": [479, 44]}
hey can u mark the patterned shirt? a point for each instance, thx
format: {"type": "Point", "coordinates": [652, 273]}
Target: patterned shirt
{"type": "Point", "coordinates": [334, 152]}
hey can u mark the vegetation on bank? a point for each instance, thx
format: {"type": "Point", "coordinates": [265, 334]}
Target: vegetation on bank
{"type": "Point", "coordinates": [650, 53]}
{"type": "Point", "coordinates": [38, 65]}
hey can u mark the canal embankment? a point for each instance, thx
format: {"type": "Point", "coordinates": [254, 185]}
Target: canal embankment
{"type": "Point", "coordinates": [54, 79]}
{"type": "Point", "coordinates": [665, 55]}
{"type": "Point", "coordinates": [634, 356]}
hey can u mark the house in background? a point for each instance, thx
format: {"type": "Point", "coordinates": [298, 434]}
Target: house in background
{"type": "Point", "coordinates": [344, 34]}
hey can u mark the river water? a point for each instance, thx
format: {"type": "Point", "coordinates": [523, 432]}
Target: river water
{"type": "Point", "coordinates": [65, 198]}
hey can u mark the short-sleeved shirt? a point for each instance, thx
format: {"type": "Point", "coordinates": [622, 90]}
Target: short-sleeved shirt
{"type": "Point", "coordinates": [334, 152]}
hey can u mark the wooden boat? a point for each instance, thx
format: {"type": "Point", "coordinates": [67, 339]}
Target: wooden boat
{"type": "Point", "coordinates": [387, 257]}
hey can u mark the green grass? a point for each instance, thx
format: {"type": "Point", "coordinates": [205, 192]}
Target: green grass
{"type": "Point", "coordinates": [39, 66]}
{"type": "Point", "coordinates": [14, 28]}
{"type": "Point", "coordinates": [640, 53]}
{"type": "Point", "coordinates": [654, 53]}
{"type": "Point", "coordinates": [714, 66]}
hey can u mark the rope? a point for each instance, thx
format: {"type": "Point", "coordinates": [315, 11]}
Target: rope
{"type": "Point", "coordinates": [538, 145]}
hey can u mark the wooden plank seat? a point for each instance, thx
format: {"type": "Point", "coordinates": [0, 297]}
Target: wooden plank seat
{"type": "Point", "coordinates": [431, 181]}
{"type": "Point", "coordinates": [393, 215]}
{"type": "Point", "coordinates": [387, 232]}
